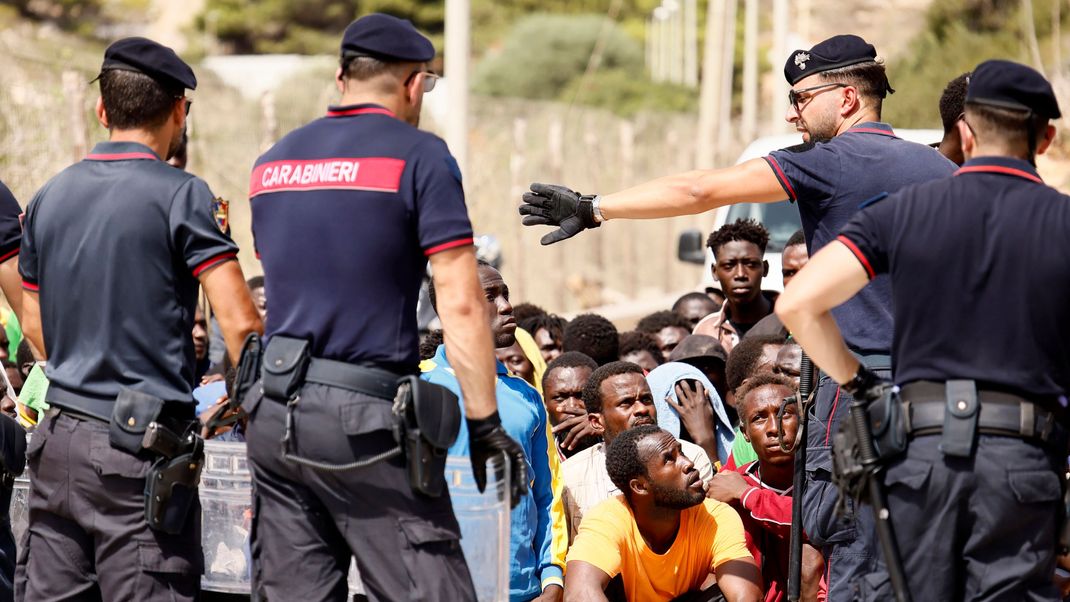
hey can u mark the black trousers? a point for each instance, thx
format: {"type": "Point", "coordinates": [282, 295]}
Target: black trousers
{"type": "Point", "coordinates": [981, 528]}
{"type": "Point", "coordinates": [308, 523]}
{"type": "Point", "coordinates": [87, 537]}
{"type": "Point", "coordinates": [848, 543]}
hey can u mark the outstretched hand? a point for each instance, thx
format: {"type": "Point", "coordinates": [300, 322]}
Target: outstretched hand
{"type": "Point", "coordinates": [553, 205]}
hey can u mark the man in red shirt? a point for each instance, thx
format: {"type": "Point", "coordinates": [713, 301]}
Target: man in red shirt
{"type": "Point", "coordinates": [761, 491]}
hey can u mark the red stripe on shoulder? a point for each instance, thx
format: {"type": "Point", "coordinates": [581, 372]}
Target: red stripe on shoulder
{"type": "Point", "coordinates": [784, 181]}
{"type": "Point", "coordinates": [460, 242]}
{"type": "Point", "coordinates": [858, 254]}
{"type": "Point", "coordinates": [204, 265]}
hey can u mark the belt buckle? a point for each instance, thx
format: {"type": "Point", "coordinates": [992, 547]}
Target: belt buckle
{"type": "Point", "coordinates": [1047, 426]}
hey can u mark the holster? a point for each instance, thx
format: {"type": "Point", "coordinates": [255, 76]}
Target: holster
{"type": "Point", "coordinates": [284, 365]}
{"type": "Point", "coordinates": [886, 425]}
{"type": "Point", "coordinates": [427, 420]}
{"type": "Point", "coordinates": [171, 486]}
{"type": "Point", "coordinates": [130, 417]}
{"type": "Point", "coordinates": [249, 367]}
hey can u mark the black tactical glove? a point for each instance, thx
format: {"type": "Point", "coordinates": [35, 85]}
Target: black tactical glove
{"type": "Point", "coordinates": [486, 439]}
{"type": "Point", "coordinates": [866, 385]}
{"type": "Point", "coordinates": [552, 205]}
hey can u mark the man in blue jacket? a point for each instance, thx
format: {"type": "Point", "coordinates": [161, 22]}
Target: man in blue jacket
{"type": "Point", "coordinates": [535, 570]}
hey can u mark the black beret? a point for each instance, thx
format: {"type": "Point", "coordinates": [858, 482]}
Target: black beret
{"type": "Point", "coordinates": [154, 60]}
{"type": "Point", "coordinates": [1012, 86]}
{"type": "Point", "coordinates": [833, 53]}
{"type": "Point", "coordinates": [387, 38]}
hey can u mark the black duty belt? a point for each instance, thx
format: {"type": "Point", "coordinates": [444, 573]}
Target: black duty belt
{"type": "Point", "coordinates": [1001, 413]}
{"type": "Point", "coordinates": [360, 379]}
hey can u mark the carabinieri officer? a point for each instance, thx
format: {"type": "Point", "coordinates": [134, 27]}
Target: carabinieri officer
{"type": "Point", "coordinates": [114, 251]}
{"type": "Point", "coordinates": [981, 285]}
{"type": "Point", "coordinates": [837, 92]}
{"type": "Point", "coordinates": [347, 210]}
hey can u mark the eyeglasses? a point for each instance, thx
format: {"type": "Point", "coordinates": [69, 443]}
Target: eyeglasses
{"type": "Point", "coordinates": [797, 96]}
{"type": "Point", "coordinates": [189, 102]}
{"type": "Point", "coordinates": [430, 79]}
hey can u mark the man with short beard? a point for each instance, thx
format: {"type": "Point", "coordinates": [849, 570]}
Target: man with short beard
{"type": "Point", "coordinates": [662, 536]}
{"type": "Point", "coordinates": [617, 397]}
{"type": "Point", "coordinates": [537, 540]}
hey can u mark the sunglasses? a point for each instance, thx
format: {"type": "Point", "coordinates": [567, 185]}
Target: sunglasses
{"type": "Point", "coordinates": [797, 96]}
{"type": "Point", "coordinates": [189, 102]}
{"type": "Point", "coordinates": [430, 79]}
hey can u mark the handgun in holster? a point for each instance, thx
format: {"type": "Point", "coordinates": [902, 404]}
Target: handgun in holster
{"type": "Point", "coordinates": [885, 428]}
{"type": "Point", "coordinates": [171, 485]}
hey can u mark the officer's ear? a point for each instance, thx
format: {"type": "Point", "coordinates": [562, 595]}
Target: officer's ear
{"type": "Point", "coordinates": [969, 143]}
{"type": "Point", "coordinates": [850, 102]}
{"type": "Point", "coordinates": [339, 80]}
{"type": "Point", "coordinates": [102, 115]}
{"type": "Point", "coordinates": [1046, 140]}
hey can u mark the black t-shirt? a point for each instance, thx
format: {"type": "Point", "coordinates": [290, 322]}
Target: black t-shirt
{"type": "Point", "coordinates": [114, 245]}
{"type": "Point", "coordinates": [10, 224]}
{"type": "Point", "coordinates": [980, 276]}
{"type": "Point", "coordinates": [829, 181]}
{"type": "Point", "coordinates": [346, 211]}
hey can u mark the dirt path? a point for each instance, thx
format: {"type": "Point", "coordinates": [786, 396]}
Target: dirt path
{"type": "Point", "coordinates": [171, 19]}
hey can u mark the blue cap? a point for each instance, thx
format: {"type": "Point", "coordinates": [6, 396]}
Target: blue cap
{"type": "Point", "coordinates": [1014, 86]}
{"type": "Point", "coordinates": [833, 53]}
{"type": "Point", "coordinates": [386, 38]}
{"type": "Point", "coordinates": [152, 59]}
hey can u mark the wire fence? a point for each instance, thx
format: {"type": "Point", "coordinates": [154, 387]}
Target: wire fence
{"type": "Point", "coordinates": [48, 122]}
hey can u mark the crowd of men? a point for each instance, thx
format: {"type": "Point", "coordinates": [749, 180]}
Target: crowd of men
{"type": "Point", "coordinates": [658, 463]}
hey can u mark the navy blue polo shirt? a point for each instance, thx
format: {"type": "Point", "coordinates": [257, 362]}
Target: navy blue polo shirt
{"type": "Point", "coordinates": [829, 180]}
{"type": "Point", "coordinates": [980, 276]}
{"type": "Point", "coordinates": [113, 245]}
{"type": "Point", "coordinates": [346, 211]}
{"type": "Point", "coordinates": [10, 224]}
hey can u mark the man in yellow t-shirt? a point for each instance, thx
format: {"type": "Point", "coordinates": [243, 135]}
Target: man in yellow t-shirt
{"type": "Point", "coordinates": [662, 536]}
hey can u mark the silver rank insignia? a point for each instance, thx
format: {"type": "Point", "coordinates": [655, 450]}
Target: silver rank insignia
{"type": "Point", "coordinates": [221, 211]}
{"type": "Point", "coordinates": [801, 58]}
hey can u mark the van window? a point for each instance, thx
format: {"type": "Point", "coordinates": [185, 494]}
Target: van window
{"type": "Point", "coordinates": [780, 218]}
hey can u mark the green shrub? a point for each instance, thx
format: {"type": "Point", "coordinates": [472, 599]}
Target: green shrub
{"type": "Point", "coordinates": [628, 92]}
{"type": "Point", "coordinates": [544, 53]}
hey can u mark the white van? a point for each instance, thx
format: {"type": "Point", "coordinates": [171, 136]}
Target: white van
{"type": "Point", "coordinates": [781, 218]}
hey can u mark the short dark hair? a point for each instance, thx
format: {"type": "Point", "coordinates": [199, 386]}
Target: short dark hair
{"type": "Point", "coordinates": [634, 341]}
{"type": "Point", "coordinates": [526, 311]}
{"type": "Point", "coordinates": [762, 380]}
{"type": "Point", "coordinates": [744, 358]}
{"type": "Point", "coordinates": [869, 78]}
{"type": "Point", "coordinates": [255, 282]}
{"type": "Point", "coordinates": [653, 323]}
{"type": "Point", "coordinates": [623, 462]}
{"type": "Point", "coordinates": [431, 285]}
{"type": "Point", "coordinates": [569, 359]}
{"type": "Point", "coordinates": [594, 335]}
{"type": "Point", "coordinates": [702, 297]}
{"type": "Point", "coordinates": [746, 230]}
{"type": "Point", "coordinates": [134, 100]}
{"type": "Point", "coordinates": [23, 353]}
{"type": "Point", "coordinates": [429, 344]}
{"type": "Point", "coordinates": [797, 238]}
{"type": "Point", "coordinates": [553, 324]}
{"type": "Point", "coordinates": [1009, 127]}
{"type": "Point", "coordinates": [953, 101]}
{"type": "Point", "coordinates": [592, 392]}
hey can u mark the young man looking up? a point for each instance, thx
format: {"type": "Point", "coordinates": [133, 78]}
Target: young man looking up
{"type": "Point", "coordinates": [761, 490]}
{"type": "Point", "coordinates": [617, 398]}
{"type": "Point", "coordinates": [662, 536]}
